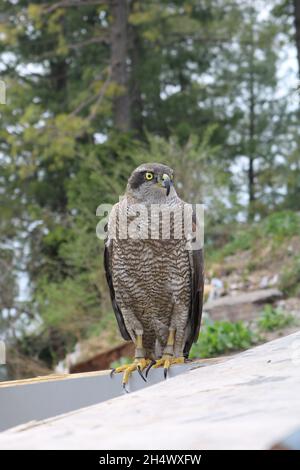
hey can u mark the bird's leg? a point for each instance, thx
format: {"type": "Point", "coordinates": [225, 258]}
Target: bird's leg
{"type": "Point", "coordinates": [139, 363]}
{"type": "Point", "coordinates": [168, 355]}
{"type": "Point", "coordinates": [139, 350]}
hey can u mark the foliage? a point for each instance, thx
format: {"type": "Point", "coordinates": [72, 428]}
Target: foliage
{"type": "Point", "coordinates": [290, 278]}
{"type": "Point", "coordinates": [274, 318]}
{"type": "Point", "coordinates": [221, 337]}
{"type": "Point", "coordinates": [121, 362]}
{"type": "Point", "coordinates": [281, 225]}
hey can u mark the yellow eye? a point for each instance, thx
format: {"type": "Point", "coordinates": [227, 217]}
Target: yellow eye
{"type": "Point", "coordinates": [149, 176]}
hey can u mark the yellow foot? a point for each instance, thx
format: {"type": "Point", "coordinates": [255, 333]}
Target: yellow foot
{"type": "Point", "coordinates": [165, 362]}
{"type": "Point", "coordinates": [138, 364]}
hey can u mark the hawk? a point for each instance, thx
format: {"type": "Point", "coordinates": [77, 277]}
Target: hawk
{"type": "Point", "coordinates": [155, 282]}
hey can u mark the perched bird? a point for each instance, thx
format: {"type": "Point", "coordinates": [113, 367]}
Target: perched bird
{"type": "Point", "coordinates": [155, 282]}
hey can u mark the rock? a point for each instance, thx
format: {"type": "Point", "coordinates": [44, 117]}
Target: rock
{"type": "Point", "coordinates": [274, 280]}
{"type": "Point", "coordinates": [216, 289]}
{"type": "Point", "coordinates": [268, 281]}
{"type": "Point", "coordinates": [264, 282]}
{"type": "Point", "coordinates": [242, 306]}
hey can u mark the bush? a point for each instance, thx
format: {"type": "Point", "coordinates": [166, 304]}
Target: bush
{"type": "Point", "coordinates": [290, 278]}
{"type": "Point", "coordinates": [221, 337]}
{"type": "Point", "coordinates": [274, 319]}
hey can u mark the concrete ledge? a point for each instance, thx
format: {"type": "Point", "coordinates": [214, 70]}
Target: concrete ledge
{"type": "Point", "coordinates": [250, 401]}
{"type": "Point", "coordinates": [43, 397]}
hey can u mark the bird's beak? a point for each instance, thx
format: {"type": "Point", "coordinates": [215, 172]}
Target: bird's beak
{"type": "Point", "coordinates": [166, 182]}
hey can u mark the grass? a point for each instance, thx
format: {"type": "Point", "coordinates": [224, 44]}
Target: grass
{"type": "Point", "coordinates": [273, 229]}
{"type": "Point", "coordinates": [274, 319]}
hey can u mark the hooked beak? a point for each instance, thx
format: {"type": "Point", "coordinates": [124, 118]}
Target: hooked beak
{"type": "Point", "coordinates": [166, 182]}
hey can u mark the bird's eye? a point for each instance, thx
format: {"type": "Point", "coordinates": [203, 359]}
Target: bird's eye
{"type": "Point", "coordinates": [149, 176]}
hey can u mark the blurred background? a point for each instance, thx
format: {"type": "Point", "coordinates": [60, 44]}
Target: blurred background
{"type": "Point", "coordinates": [94, 88]}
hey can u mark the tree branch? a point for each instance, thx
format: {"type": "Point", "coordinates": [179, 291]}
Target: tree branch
{"type": "Point", "coordinates": [95, 40]}
{"type": "Point", "coordinates": [90, 99]}
{"type": "Point", "coordinates": [93, 112]}
{"type": "Point", "coordinates": [73, 3]}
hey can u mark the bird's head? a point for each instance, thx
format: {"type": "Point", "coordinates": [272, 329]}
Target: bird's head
{"type": "Point", "coordinates": [151, 182]}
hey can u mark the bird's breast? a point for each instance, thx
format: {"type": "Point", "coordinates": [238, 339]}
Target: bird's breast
{"type": "Point", "coordinates": [155, 269]}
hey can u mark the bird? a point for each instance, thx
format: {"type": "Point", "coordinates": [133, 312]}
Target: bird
{"type": "Point", "coordinates": [156, 283]}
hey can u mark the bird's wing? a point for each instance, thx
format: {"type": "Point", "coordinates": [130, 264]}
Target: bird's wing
{"type": "Point", "coordinates": [108, 247]}
{"type": "Point", "coordinates": [197, 287]}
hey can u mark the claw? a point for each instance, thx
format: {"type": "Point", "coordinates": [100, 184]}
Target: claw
{"type": "Point", "coordinates": [128, 369]}
{"type": "Point", "coordinates": [149, 367]}
{"type": "Point", "coordinates": [166, 361]}
{"type": "Point", "coordinates": [141, 374]}
{"type": "Point", "coordinates": [167, 364]}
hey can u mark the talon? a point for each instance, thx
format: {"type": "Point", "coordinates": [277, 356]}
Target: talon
{"type": "Point", "coordinates": [149, 367]}
{"type": "Point", "coordinates": [138, 365]}
{"type": "Point", "coordinates": [141, 374]}
{"type": "Point", "coordinates": [167, 364]}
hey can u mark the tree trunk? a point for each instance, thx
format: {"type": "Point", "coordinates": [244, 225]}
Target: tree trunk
{"type": "Point", "coordinates": [251, 175]}
{"type": "Point", "coordinates": [297, 29]}
{"type": "Point", "coordinates": [119, 55]}
{"type": "Point", "coordinates": [135, 88]}
{"type": "Point", "coordinates": [251, 143]}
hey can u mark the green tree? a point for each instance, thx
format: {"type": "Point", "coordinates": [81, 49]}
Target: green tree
{"type": "Point", "coordinates": [93, 89]}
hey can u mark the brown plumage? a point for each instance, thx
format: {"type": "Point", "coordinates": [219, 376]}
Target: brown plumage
{"type": "Point", "coordinates": [156, 285]}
